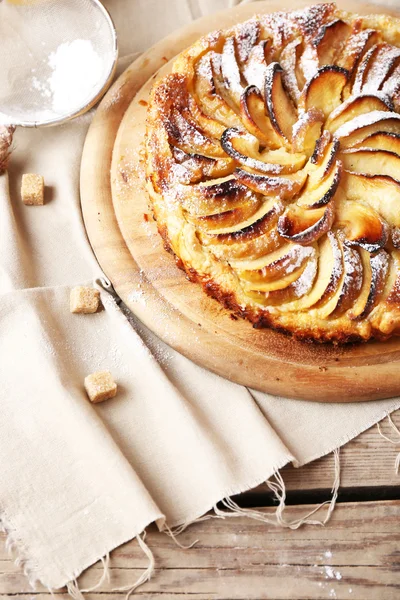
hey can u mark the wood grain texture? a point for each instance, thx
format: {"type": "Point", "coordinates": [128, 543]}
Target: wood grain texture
{"type": "Point", "coordinates": [366, 462]}
{"type": "Point", "coordinates": [131, 254]}
{"type": "Point", "coordinates": [356, 557]}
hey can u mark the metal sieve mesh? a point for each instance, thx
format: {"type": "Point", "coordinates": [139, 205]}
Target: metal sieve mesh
{"type": "Point", "coordinates": [57, 56]}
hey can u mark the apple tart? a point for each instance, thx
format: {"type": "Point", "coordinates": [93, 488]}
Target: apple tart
{"type": "Point", "coordinates": [273, 166]}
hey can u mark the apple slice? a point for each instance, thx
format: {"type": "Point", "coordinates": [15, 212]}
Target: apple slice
{"type": "Point", "coordinates": [221, 88]}
{"type": "Point", "coordinates": [363, 226]}
{"type": "Point", "coordinates": [356, 46]}
{"type": "Point", "coordinates": [330, 271]}
{"type": "Point", "coordinates": [288, 257]}
{"type": "Point", "coordinates": [244, 148]}
{"type": "Point", "coordinates": [392, 84]}
{"type": "Point", "coordinates": [279, 106]}
{"type": "Point", "coordinates": [382, 141]}
{"type": "Point", "coordinates": [354, 107]}
{"type": "Point", "coordinates": [394, 293]}
{"type": "Point", "coordinates": [323, 160]}
{"type": "Point", "coordinates": [255, 69]}
{"type": "Point", "coordinates": [324, 90]}
{"type": "Point", "coordinates": [254, 118]}
{"type": "Point", "coordinates": [254, 247]}
{"type": "Point", "coordinates": [355, 131]}
{"type": "Point", "coordinates": [230, 70]}
{"type": "Point", "coordinates": [330, 41]}
{"type": "Point", "coordinates": [362, 70]}
{"type": "Point", "coordinates": [372, 162]}
{"type": "Point", "coordinates": [382, 193]}
{"type": "Point", "coordinates": [352, 281]}
{"type": "Point", "coordinates": [300, 287]}
{"type": "Point", "coordinates": [189, 138]}
{"type": "Point", "coordinates": [316, 197]}
{"type": "Point", "coordinates": [213, 197]}
{"type": "Point", "coordinates": [375, 271]}
{"type": "Point", "coordinates": [383, 59]}
{"type": "Point", "coordinates": [306, 130]}
{"type": "Point", "coordinates": [247, 35]}
{"type": "Point", "coordinates": [308, 63]}
{"type": "Point", "coordinates": [275, 271]}
{"type": "Point", "coordinates": [284, 187]}
{"type": "Point", "coordinates": [229, 220]}
{"type": "Point", "coordinates": [269, 286]}
{"type": "Point", "coordinates": [305, 226]}
{"type": "Point", "coordinates": [210, 102]}
{"type": "Point", "coordinates": [288, 60]}
{"type": "Point", "coordinates": [265, 213]}
{"type": "Point", "coordinates": [198, 167]}
{"type": "Point", "coordinates": [347, 289]}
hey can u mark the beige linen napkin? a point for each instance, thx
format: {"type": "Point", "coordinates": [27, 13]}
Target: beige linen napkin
{"type": "Point", "coordinates": [78, 479]}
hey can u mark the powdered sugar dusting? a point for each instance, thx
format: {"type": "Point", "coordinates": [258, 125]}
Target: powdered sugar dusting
{"type": "Point", "coordinates": [364, 121]}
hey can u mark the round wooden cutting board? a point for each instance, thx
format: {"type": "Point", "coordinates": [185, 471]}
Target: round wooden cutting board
{"type": "Point", "coordinates": [130, 252]}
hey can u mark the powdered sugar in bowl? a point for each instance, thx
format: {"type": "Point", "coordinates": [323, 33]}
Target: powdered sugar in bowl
{"type": "Point", "coordinates": [58, 59]}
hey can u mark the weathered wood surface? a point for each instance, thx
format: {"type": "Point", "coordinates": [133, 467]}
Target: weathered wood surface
{"type": "Point", "coordinates": [357, 556]}
{"type": "Point", "coordinates": [366, 462]}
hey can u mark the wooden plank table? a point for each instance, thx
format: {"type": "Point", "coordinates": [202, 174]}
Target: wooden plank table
{"type": "Point", "coordinates": [356, 556]}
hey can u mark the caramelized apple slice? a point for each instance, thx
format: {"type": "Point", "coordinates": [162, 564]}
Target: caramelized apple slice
{"type": "Point", "coordinates": [244, 148]}
{"type": "Point", "coordinates": [356, 46]}
{"type": "Point", "coordinates": [299, 288]}
{"type": "Point", "coordinates": [306, 130]}
{"type": "Point", "coordinates": [279, 106]}
{"type": "Point", "coordinates": [330, 41]}
{"type": "Point", "coordinates": [323, 161]}
{"type": "Point", "coordinates": [211, 103]}
{"type": "Point", "coordinates": [230, 70]}
{"type": "Point", "coordinates": [204, 199]}
{"type": "Point", "coordinates": [255, 69]}
{"type": "Point", "coordinates": [266, 212]}
{"type": "Point", "coordinates": [315, 197]}
{"type": "Point", "coordinates": [190, 139]}
{"type": "Point", "coordinates": [376, 66]}
{"type": "Point", "coordinates": [351, 283]}
{"type": "Point", "coordinates": [305, 226]}
{"type": "Point", "coordinates": [230, 220]}
{"type": "Point", "coordinates": [324, 90]}
{"type": "Point", "coordinates": [284, 187]}
{"type": "Point", "coordinates": [354, 107]}
{"type": "Point", "coordinates": [255, 282]}
{"type": "Point", "coordinates": [220, 85]}
{"type": "Point", "coordinates": [275, 271]}
{"type": "Point", "coordinates": [382, 141]}
{"type": "Point", "coordinates": [355, 131]}
{"type": "Point", "coordinates": [275, 264]}
{"type": "Point", "coordinates": [372, 162]}
{"type": "Point", "coordinates": [308, 63]}
{"type": "Point", "coordinates": [375, 271]}
{"type": "Point", "coordinates": [363, 226]}
{"type": "Point", "coordinates": [362, 70]}
{"type": "Point", "coordinates": [382, 193]}
{"type": "Point", "coordinates": [288, 60]}
{"type": "Point", "coordinates": [330, 271]}
{"type": "Point", "coordinates": [393, 296]}
{"type": "Point", "coordinates": [197, 167]}
{"type": "Point", "coordinates": [245, 247]}
{"type": "Point", "coordinates": [247, 35]}
{"type": "Point", "coordinates": [252, 112]}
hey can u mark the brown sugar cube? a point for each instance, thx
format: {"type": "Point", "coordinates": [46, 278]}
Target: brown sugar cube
{"type": "Point", "coordinates": [32, 189]}
{"type": "Point", "coordinates": [84, 300]}
{"type": "Point", "coordinates": [100, 386]}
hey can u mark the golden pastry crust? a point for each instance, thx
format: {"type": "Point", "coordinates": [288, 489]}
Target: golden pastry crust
{"type": "Point", "coordinates": [273, 166]}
